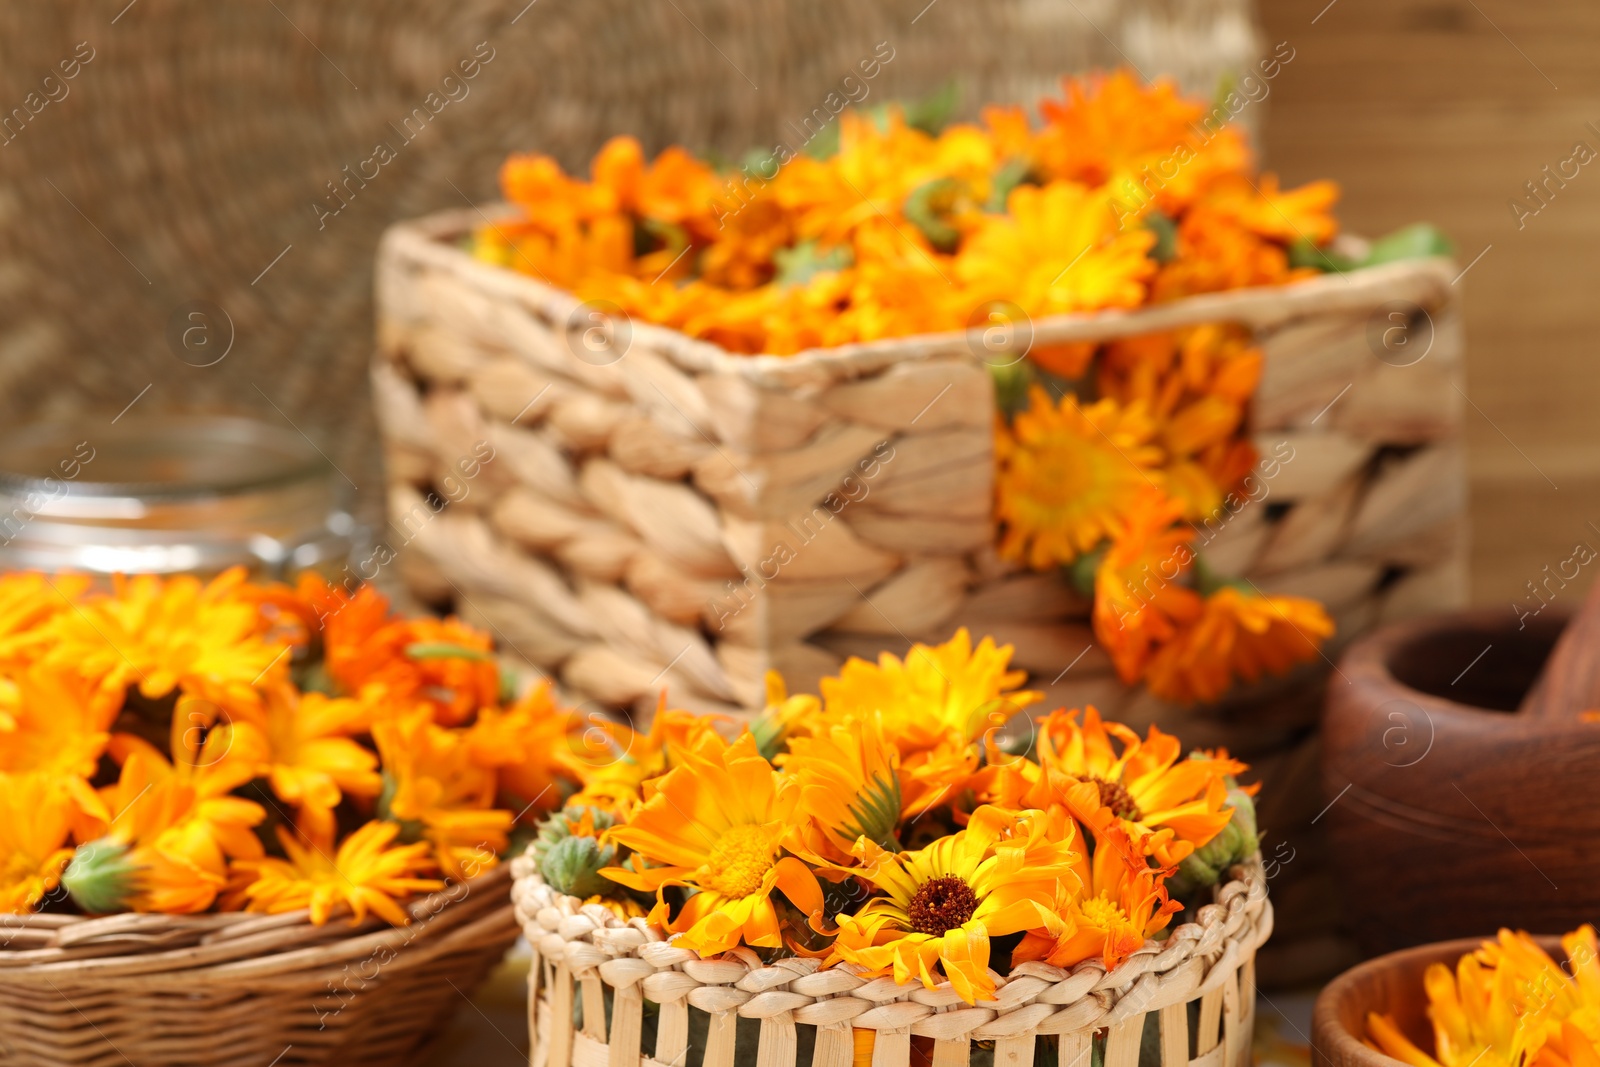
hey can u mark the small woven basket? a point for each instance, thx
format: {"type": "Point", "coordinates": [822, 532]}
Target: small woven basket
{"type": "Point", "coordinates": [242, 990]}
{"type": "Point", "coordinates": [586, 956]}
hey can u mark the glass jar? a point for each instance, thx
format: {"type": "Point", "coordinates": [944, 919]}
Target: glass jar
{"type": "Point", "coordinates": [182, 494]}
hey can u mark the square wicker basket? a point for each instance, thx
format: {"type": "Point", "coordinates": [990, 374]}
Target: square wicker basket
{"type": "Point", "coordinates": [658, 511]}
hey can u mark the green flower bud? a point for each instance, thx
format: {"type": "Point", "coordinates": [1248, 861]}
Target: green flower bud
{"type": "Point", "coordinates": [559, 826]}
{"type": "Point", "coordinates": [572, 866]}
{"type": "Point", "coordinates": [101, 879]}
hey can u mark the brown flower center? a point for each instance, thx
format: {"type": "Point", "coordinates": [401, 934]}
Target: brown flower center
{"type": "Point", "coordinates": [1114, 795]}
{"type": "Point", "coordinates": [941, 905]}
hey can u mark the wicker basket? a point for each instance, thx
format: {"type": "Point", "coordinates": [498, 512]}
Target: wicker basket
{"type": "Point", "coordinates": [665, 513]}
{"type": "Point", "coordinates": [588, 954]}
{"type": "Point", "coordinates": [241, 990]}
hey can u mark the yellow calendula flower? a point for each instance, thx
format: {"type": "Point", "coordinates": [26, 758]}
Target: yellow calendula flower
{"type": "Point", "coordinates": [717, 823]}
{"type": "Point", "coordinates": [614, 761]}
{"type": "Point", "coordinates": [1067, 476]}
{"type": "Point", "coordinates": [937, 690]}
{"type": "Point", "coordinates": [1507, 1004]}
{"type": "Point", "coordinates": [849, 778]}
{"type": "Point", "coordinates": [28, 600]}
{"type": "Point", "coordinates": [163, 634]}
{"type": "Point", "coordinates": [436, 792]}
{"type": "Point", "coordinates": [1000, 875]}
{"type": "Point", "coordinates": [35, 822]}
{"type": "Point", "coordinates": [368, 873]}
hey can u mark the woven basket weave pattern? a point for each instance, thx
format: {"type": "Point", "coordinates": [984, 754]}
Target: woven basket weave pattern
{"type": "Point", "coordinates": [584, 952]}
{"type": "Point", "coordinates": [240, 990]}
{"type": "Point", "coordinates": [677, 515]}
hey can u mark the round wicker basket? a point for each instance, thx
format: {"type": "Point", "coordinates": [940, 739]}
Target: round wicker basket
{"type": "Point", "coordinates": [585, 957]}
{"type": "Point", "coordinates": [242, 990]}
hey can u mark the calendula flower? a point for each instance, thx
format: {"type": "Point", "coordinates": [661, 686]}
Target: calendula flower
{"type": "Point", "coordinates": [436, 792]}
{"type": "Point", "coordinates": [1122, 904]}
{"type": "Point", "coordinates": [1057, 250]}
{"type": "Point", "coordinates": [54, 721]}
{"type": "Point", "coordinates": [716, 823]}
{"type": "Point", "coordinates": [614, 761]}
{"type": "Point", "coordinates": [28, 600]}
{"type": "Point", "coordinates": [849, 778]}
{"type": "Point", "coordinates": [1145, 787]}
{"type": "Point", "coordinates": [35, 823]}
{"type": "Point", "coordinates": [368, 873]}
{"type": "Point", "coordinates": [529, 745]}
{"type": "Point", "coordinates": [938, 689]}
{"type": "Point", "coordinates": [170, 830]}
{"type": "Point", "coordinates": [1507, 1004]}
{"type": "Point", "coordinates": [441, 661]}
{"type": "Point", "coordinates": [164, 634]}
{"type": "Point", "coordinates": [1001, 874]}
{"type": "Point", "coordinates": [1139, 601]}
{"type": "Point", "coordinates": [308, 755]}
{"type": "Point", "coordinates": [1067, 476]}
{"type": "Point", "coordinates": [1265, 210]}
{"type": "Point", "coordinates": [1149, 147]}
{"type": "Point", "coordinates": [1237, 635]}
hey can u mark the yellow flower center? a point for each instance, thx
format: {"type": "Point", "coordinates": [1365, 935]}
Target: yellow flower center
{"type": "Point", "coordinates": [940, 905]}
{"type": "Point", "coordinates": [1115, 795]}
{"type": "Point", "coordinates": [739, 862]}
{"type": "Point", "coordinates": [1101, 912]}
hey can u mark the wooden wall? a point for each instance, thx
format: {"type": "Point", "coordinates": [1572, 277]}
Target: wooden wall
{"type": "Point", "coordinates": [1442, 110]}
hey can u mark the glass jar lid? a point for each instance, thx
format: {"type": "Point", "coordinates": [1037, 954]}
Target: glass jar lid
{"type": "Point", "coordinates": [169, 494]}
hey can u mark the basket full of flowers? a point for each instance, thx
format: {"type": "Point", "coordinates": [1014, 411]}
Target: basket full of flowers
{"type": "Point", "coordinates": [895, 868]}
{"type": "Point", "coordinates": [243, 823]}
{"type": "Point", "coordinates": [1092, 383]}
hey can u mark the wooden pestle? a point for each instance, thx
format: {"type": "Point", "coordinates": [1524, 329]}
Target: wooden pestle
{"type": "Point", "coordinates": [1569, 682]}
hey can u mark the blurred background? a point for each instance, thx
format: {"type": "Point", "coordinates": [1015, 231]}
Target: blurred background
{"type": "Point", "coordinates": [204, 153]}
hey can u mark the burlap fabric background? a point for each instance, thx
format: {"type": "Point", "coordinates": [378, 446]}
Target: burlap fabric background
{"type": "Point", "coordinates": [185, 158]}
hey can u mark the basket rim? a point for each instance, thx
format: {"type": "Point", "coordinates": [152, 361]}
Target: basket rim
{"type": "Point", "coordinates": [434, 240]}
{"type": "Point", "coordinates": [1206, 951]}
{"type": "Point", "coordinates": [236, 945]}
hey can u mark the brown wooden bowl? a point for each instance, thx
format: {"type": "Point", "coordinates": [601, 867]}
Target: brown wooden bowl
{"type": "Point", "coordinates": [1450, 814]}
{"type": "Point", "coordinates": [1389, 985]}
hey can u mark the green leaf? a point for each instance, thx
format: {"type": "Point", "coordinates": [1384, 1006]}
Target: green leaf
{"type": "Point", "coordinates": [798, 265]}
{"type": "Point", "coordinates": [1011, 381]}
{"type": "Point", "coordinates": [1012, 173]}
{"type": "Point", "coordinates": [933, 113]}
{"type": "Point", "coordinates": [1417, 241]}
{"type": "Point", "coordinates": [1165, 250]}
{"type": "Point", "coordinates": [445, 650]}
{"type": "Point", "coordinates": [929, 208]}
{"type": "Point", "coordinates": [1302, 253]}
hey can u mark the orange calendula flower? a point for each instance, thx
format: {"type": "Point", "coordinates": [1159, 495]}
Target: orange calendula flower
{"type": "Point", "coordinates": [35, 822]}
{"type": "Point", "coordinates": [938, 690]}
{"type": "Point", "coordinates": [436, 792]}
{"type": "Point", "coordinates": [441, 661]}
{"type": "Point", "coordinates": [1122, 904]}
{"type": "Point", "coordinates": [1068, 476]}
{"type": "Point", "coordinates": [717, 823]}
{"type": "Point", "coordinates": [1138, 601]}
{"type": "Point", "coordinates": [28, 600]}
{"type": "Point", "coordinates": [366, 874]}
{"type": "Point", "coordinates": [1001, 874]}
{"type": "Point", "coordinates": [171, 633]}
{"type": "Point", "coordinates": [614, 761]}
{"type": "Point", "coordinates": [1237, 635]}
{"type": "Point", "coordinates": [308, 755]}
{"type": "Point", "coordinates": [1146, 787]}
{"type": "Point", "coordinates": [529, 745]}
